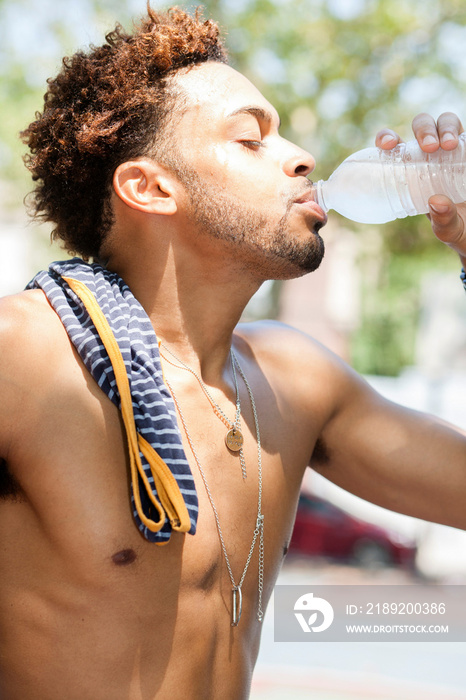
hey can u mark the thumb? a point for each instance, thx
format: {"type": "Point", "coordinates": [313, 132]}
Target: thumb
{"type": "Point", "coordinates": [447, 224]}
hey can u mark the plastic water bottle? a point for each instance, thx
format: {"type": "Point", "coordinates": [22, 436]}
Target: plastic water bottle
{"type": "Point", "coordinates": [374, 186]}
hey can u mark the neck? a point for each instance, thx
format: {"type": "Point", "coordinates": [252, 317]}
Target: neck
{"type": "Point", "coordinates": [194, 307]}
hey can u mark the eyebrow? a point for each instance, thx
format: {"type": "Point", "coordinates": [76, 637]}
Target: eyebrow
{"type": "Point", "coordinates": [257, 112]}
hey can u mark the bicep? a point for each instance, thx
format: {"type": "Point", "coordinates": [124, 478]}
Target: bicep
{"type": "Point", "coordinates": [398, 458]}
{"type": "Point", "coordinates": [395, 457]}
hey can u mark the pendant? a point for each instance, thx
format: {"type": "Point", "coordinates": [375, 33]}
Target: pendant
{"type": "Point", "coordinates": [237, 606]}
{"type": "Point", "coordinates": [234, 440]}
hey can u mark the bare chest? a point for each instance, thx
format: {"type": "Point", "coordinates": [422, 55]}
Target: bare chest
{"type": "Point", "coordinates": [74, 469]}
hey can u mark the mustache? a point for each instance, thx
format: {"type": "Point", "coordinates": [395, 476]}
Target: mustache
{"type": "Point", "coordinates": [304, 194]}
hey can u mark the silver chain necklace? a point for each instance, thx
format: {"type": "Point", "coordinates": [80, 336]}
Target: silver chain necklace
{"type": "Point", "coordinates": [237, 596]}
{"type": "Point", "coordinates": [234, 437]}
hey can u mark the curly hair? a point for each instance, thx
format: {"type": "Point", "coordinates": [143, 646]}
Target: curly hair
{"type": "Point", "coordinates": [107, 106]}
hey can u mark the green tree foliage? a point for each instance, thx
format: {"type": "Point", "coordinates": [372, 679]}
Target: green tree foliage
{"type": "Point", "coordinates": [337, 70]}
{"type": "Point", "coordinates": [33, 39]}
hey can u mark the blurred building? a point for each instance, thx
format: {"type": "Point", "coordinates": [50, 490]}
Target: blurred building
{"type": "Point", "coordinates": [326, 304]}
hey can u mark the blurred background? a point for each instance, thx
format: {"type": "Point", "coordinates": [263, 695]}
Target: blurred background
{"type": "Point", "coordinates": [387, 299]}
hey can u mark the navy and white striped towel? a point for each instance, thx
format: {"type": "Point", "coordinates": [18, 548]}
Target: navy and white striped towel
{"type": "Point", "coordinates": [154, 411]}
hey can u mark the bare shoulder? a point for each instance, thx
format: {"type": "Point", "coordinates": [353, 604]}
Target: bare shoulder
{"type": "Point", "coordinates": [299, 366]}
{"type": "Point", "coordinates": [277, 337]}
{"type": "Point", "coordinates": [31, 339]}
{"type": "Point", "coordinates": [292, 352]}
{"type": "Point", "coordinates": [27, 323]}
{"type": "Point", "coordinates": [26, 303]}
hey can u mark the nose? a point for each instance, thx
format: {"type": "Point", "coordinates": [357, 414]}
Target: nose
{"type": "Point", "coordinates": [298, 162]}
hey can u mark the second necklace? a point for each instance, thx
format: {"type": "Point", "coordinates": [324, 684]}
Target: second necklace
{"type": "Point", "coordinates": [236, 588]}
{"type": "Point", "coordinates": [234, 438]}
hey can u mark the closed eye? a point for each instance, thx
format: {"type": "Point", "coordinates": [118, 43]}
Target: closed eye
{"type": "Point", "coordinates": [254, 146]}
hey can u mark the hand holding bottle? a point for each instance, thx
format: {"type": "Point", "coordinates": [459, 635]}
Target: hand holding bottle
{"type": "Point", "coordinates": [448, 220]}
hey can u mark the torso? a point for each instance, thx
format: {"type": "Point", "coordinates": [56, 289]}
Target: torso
{"type": "Point", "coordinates": [89, 610]}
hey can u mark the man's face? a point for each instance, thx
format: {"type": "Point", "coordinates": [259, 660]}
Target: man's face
{"type": "Point", "coordinates": [246, 185]}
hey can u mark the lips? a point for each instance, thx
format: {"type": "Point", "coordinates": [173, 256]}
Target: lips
{"type": "Point", "coordinates": [307, 201]}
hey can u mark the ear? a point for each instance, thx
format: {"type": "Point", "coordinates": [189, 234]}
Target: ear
{"type": "Point", "coordinates": [146, 185]}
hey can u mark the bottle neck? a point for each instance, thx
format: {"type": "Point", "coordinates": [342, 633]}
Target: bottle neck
{"type": "Point", "coordinates": [318, 193]}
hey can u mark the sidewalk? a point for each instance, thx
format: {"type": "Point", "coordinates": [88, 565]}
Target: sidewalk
{"type": "Point", "coordinates": [284, 683]}
{"type": "Point", "coordinates": [354, 671]}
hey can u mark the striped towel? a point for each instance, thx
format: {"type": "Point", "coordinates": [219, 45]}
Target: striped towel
{"type": "Point", "coordinates": [117, 343]}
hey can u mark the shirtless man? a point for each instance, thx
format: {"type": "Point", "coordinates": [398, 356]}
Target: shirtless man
{"type": "Point", "coordinates": [89, 609]}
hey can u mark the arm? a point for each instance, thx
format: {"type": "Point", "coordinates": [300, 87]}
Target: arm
{"type": "Point", "coordinates": [20, 359]}
{"type": "Point", "coordinates": [8, 403]}
{"type": "Point", "coordinates": [395, 457]}
{"type": "Point", "coordinates": [400, 459]}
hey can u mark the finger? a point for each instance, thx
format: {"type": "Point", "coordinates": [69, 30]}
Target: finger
{"type": "Point", "coordinates": [387, 138]}
{"type": "Point", "coordinates": [447, 225]}
{"type": "Point", "coordinates": [449, 127]}
{"type": "Point", "coordinates": [425, 131]}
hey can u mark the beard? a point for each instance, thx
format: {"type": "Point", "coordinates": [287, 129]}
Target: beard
{"type": "Point", "coordinates": [263, 246]}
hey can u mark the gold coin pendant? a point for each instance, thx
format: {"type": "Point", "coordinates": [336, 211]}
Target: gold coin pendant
{"type": "Point", "coordinates": [234, 440]}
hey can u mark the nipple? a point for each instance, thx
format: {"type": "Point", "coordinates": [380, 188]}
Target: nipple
{"type": "Point", "coordinates": [124, 557]}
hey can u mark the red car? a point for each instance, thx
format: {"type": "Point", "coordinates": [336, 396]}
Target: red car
{"type": "Point", "coordinates": [322, 529]}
